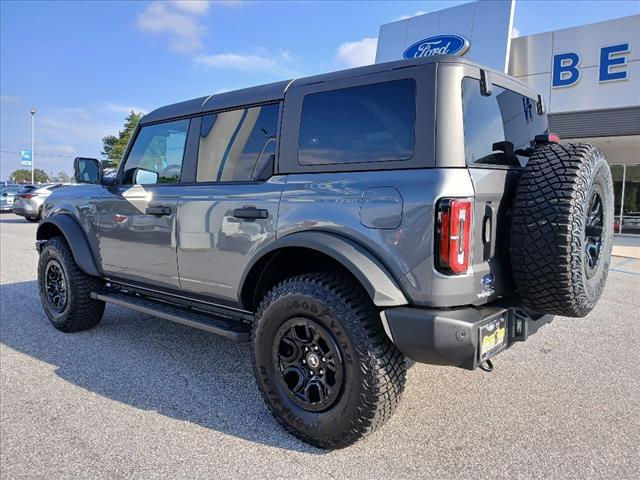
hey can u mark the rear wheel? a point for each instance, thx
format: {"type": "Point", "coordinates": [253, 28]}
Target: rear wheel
{"type": "Point", "coordinates": [65, 290]}
{"type": "Point", "coordinates": [33, 219]}
{"type": "Point", "coordinates": [562, 229]}
{"type": "Point", "coordinates": [323, 364]}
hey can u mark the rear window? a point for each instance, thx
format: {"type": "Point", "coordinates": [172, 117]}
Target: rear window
{"type": "Point", "coordinates": [370, 123]}
{"type": "Point", "coordinates": [27, 189]}
{"type": "Point", "coordinates": [505, 116]}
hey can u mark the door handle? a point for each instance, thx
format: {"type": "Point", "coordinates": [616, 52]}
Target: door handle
{"type": "Point", "coordinates": [251, 213]}
{"type": "Point", "coordinates": [158, 211]}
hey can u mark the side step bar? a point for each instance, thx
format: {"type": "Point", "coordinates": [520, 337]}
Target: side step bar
{"type": "Point", "coordinates": [229, 328]}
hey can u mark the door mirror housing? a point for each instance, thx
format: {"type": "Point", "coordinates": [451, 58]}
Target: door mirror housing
{"type": "Point", "coordinates": [87, 170]}
{"type": "Point", "coordinates": [145, 177]}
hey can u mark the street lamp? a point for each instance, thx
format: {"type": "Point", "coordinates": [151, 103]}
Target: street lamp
{"type": "Point", "coordinates": [33, 115]}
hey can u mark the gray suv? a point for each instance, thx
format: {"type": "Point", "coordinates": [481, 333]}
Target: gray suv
{"type": "Point", "coordinates": [344, 224]}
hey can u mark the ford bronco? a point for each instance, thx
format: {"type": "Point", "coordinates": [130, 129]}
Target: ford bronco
{"type": "Point", "coordinates": [343, 223]}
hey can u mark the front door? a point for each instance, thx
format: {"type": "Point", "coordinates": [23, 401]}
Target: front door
{"type": "Point", "coordinates": [138, 215]}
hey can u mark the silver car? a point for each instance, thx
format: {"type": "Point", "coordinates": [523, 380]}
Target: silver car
{"type": "Point", "coordinates": [7, 195]}
{"type": "Point", "coordinates": [28, 201]}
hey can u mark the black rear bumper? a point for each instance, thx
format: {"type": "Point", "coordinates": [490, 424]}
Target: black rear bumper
{"type": "Point", "coordinates": [451, 337]}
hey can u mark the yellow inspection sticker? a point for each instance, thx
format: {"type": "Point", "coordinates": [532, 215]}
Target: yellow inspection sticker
{"type": "Point", "coordinates": [492, 337]}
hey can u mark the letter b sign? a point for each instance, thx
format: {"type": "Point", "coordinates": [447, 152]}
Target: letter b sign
{"type": "Point", "coordinates": [565, 69]}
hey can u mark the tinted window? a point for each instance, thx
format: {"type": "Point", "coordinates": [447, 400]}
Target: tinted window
{"type": "Point", "coordinates": [235, 146]}
{"type": "Point", "coordinates": [156, 155]}
{"type": "Point", "coordinates": [371, 123]}
{"type": "Point", "coordinates": [503, 116]}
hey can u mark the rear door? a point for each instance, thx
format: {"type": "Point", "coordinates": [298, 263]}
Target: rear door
{"type": "Point", "coordinates": [494, 125]}
{"type": "Point", "coordinates": [137, 218]}
{"type": "Point", "coordinates": [231, 209]}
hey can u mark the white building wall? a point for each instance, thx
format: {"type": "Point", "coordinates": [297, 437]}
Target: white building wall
{"type": "Point", "coordinates": [486, 24]}
{"type": "Point", "coordinates": [532, 60]}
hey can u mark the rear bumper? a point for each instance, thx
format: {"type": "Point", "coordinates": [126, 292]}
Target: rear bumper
{"type": "Point", "coordinates": [452, 337]}
{"type": "Point", "coordinates": [24, 211]}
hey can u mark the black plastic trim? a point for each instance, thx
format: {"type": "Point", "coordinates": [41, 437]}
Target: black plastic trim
{"type": "Point", "coordinates": [202, 320]}
{"type": "Point", "coordinates": [383, 289]}
{"type": "Point", "coordinates": [450, 337]}
{"type": "Point", "coordinates": [77, 240]}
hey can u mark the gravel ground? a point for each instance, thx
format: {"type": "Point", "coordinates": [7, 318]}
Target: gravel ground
{"type": "Point", "coordinates": [139, 397]}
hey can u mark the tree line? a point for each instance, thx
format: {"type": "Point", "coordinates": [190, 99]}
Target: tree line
{"type": "Point", "coordinates": [113, 147]}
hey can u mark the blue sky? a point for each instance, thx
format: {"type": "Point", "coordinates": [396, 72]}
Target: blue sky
{"type": "Point", "coordinates": [84, 65]}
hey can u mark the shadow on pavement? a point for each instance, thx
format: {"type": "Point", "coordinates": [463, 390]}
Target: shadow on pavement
{"type": "Point", "coordinates": [150, 364]}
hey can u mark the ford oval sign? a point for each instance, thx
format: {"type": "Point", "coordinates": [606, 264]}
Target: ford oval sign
{"type": "Point", "coordinates": [437, 45]}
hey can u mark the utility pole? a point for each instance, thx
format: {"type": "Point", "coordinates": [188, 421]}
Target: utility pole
{"type": "Point", "coordinates": [33, 115]}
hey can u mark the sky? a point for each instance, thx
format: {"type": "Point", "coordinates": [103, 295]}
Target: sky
{"type": "Point", "coordinates": [85, 65]}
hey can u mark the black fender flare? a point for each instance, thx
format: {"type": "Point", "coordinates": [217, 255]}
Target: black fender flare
{"type": "Point", "coordinates": [76, 238]}
{"type": "Point", "coordinates": [370, 272]}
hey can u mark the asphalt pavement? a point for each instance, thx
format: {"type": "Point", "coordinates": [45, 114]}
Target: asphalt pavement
{"type": "Point", "coordinates": [139, 397]}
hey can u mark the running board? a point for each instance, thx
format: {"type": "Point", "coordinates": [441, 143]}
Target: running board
{"type": "Point", "coordinates": [226, 327]}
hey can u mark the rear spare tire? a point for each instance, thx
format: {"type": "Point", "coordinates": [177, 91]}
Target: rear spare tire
{"type": "Point", "coordinates": [562, 229]}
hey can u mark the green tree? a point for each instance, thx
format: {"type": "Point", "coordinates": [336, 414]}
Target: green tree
{"type": "Point", "coordinates": [24, 175]}
{"type": "Point", "coordinates": [62, 177]}
{"type": "Point", "coordinates": [113, 146]}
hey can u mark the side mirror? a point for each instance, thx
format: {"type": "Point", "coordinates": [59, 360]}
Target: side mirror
{"type": "Point", "coordinates": [87, 170]}
{"type": "Point", "coordinates": [145, 177]}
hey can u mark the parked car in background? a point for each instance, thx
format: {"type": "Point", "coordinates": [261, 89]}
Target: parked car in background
{"type": "Point", "coordinates": [28, 201]}
{"type": "Point", "coordinates": [7, 194]}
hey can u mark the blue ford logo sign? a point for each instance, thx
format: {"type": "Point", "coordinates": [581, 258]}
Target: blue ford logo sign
{"type": "Point", "coordinates": [437, 45]}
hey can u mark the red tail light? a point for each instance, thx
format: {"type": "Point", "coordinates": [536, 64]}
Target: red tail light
{"type": "Point", "coordinates": [26, 195]}
{"type": "Point", "coordinates": [453, 235]}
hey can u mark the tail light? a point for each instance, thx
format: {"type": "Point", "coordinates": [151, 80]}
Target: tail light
{"type": "Point", "coordinates": [453, 235]}
{"type": "Point", "coordinates": [26, 196]}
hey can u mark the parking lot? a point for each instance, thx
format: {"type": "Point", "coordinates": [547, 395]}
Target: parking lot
{"type": "Point", "coordinates": [139, 397]}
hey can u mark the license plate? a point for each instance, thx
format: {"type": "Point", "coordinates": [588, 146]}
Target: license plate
{"type": "Point", "coordinates": [493, 337]}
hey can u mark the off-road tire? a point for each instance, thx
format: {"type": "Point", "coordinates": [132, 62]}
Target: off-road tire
{"type": "Point", "coordinates": [375, 370]}
{"type": "Point", "coordinates": [548, 229]}
{"type": "Point", "coordinates": [81, 312]}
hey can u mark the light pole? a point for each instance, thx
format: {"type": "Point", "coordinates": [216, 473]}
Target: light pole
{"type": "Point", "coordinates": [33, 115]}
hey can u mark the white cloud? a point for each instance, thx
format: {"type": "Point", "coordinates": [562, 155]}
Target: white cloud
{"type": "Point", "coordinates": [123, 109]}
{"type": "Point", "coordinates": [259, 61]}
{"type": "Point", "coordinates": [178, 20]}
{"type": "Point", "coordinates": [8, 99]}
{"type": "Point", "coordinates": [357, 54]}
{"type": "Point", "coordinates": [515, 32]}
{"type": "Point", "coordinates": [404, 17]}
{"type": "Point", "coordinates": [196, 7]}
{"type": "Point", "coordinates": [58, 149]}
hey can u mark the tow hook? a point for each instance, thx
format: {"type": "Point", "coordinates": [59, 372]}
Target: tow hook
{"type": "Point", "coordinates": [487, 366]}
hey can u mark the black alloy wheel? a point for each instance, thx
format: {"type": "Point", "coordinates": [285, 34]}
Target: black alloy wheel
{"type": "Point", "coordinates": [310, 363]}
{"type": "Point", "coordinates": [593, 233]}
{"type": "Point", "coordinates": [56, 285]}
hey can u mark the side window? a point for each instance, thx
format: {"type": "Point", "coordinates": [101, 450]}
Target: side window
{"type": "Point", "coordinates": [369, 123]}
{"type": "Point", "coordinates": [237, 146]}
{"type": "Point", "coordinates": [505, 116]}
{"type": "Point", "coordinates": [157, 154]}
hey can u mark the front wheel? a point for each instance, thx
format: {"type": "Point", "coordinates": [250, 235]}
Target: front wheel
{"type": "Point", "coordinates": [323, 363]}
{"type": "Point", "coordinates": [65, 290]}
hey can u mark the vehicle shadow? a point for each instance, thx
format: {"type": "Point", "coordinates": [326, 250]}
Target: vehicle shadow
{"type": "Point", "coordinates": [150, 364]}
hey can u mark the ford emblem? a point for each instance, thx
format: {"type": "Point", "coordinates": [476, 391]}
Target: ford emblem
{"type": "Point", "coordinates": [438, 45]}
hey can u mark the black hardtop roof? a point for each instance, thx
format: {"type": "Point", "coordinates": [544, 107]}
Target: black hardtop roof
{"type": "Point", "coordinates": [273, 92]}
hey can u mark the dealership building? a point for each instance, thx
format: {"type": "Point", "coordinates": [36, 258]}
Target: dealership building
{"type": "Point", "coordinates": [588, 77]}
